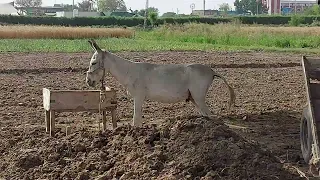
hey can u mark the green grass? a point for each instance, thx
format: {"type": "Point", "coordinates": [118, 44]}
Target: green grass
{"type": "Point", "coordinates": [236, 35]}
{"type": "Point", "coordinates": [115, 45]}
{"type": "Point", "coordinates": [188, 37]}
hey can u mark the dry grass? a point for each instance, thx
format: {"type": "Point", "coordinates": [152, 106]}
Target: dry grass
{"type": "Point", "coordinates": [56, 32]}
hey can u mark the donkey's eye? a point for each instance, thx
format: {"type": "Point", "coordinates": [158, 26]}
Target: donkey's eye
{"type": "Point", "coordinates": [94, 63]}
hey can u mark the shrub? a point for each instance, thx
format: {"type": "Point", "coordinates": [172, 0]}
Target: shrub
{"type": "Point", "coordinates": [138, 21]}
{"type": "Point", "coordinates": [296, 20]}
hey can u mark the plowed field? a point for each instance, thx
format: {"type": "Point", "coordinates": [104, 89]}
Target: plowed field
{"type": "Point", "coordinates": [175, 142]}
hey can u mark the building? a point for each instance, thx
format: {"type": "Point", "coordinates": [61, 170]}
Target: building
{"type": "Point", "coordinates": [202, 13]}
{"type": "Point", "coordinates": [39, 11]}
{"type": "Point", "coordinates": [273, 6]}
{"type": "Point", "coordinates": [8, 9]}
{"type": "Point", "coordinates": [76, 13]}
{"type": "Point", "coordinates": [118, 13]}
{"type": "Point", "coordinates": [288, 6]}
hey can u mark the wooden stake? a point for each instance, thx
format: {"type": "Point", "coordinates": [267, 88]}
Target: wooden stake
{"type": "Point", "coordinates": [114, 118]}
{"type": "Point", "coordinates": [68, 130]}
{"type": "Point", "coordinates": [47, 120]}
{"type": "Point", "coordinates": [52, 123]}
{"type": "Point", "coordinates": [104, 120]}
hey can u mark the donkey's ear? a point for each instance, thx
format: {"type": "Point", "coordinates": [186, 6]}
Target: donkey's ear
{"type": "Point", "coordinates": [91, 45]}
{"type": "Point", "coordinates": [94, 45]}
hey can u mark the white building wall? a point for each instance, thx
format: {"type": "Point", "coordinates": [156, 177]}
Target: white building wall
{"type": "Point", "coordinates": [7, 9]}
{"type": "Point", "coordinates": [69, 14]}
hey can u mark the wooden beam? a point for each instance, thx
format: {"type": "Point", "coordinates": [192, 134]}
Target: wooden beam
{"type": "Point", "coordinates": [77, 100]}
{"type": "Point", "coordinates": [55, 101]}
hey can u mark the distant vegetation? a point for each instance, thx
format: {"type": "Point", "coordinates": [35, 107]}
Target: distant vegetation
{"type": "Point", "coordinates": [191, 36]}
{"type": "Point", "coordinates": [155, 20]}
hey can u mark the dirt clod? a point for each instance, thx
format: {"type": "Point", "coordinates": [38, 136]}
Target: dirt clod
{"type": "Point", "coordinates": [27, 161]}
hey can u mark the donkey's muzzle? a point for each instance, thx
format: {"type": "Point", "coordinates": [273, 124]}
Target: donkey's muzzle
{"type": "Point", "coordinates": [90, 82]}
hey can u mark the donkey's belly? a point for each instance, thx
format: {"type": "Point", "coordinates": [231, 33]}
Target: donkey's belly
{"type": "Point", "coordinates": [165, 96]}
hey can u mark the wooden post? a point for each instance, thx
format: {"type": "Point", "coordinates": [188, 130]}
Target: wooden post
{"type": "Point", "coordinates": [104, 120]}
{"type": "Point", "coordinates": [114, 118]}
{"type": "Point", "coordinates": [47, 120]}
{"type": "Point", "coordinates": [52, 122]}
{"type": "Point", "coordinates": [68, 130]}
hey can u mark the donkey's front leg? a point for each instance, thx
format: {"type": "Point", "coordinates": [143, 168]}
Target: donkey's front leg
{"type": "Point", "coordinates": [137, 116]}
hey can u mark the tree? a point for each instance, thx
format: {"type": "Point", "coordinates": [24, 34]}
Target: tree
{"type": "Point", "coordinates": [239, 7]}
{"type": "Point", "coordinates": [169, 14]}
{"type": "Point", "coordinates": [153, 17]}
{"type": "Point", "coordinates": [112, 5]}
{"type": "Point", "coordinates": [245, 6]}
{"type": "Point", "coordinates": [150, 10]}
{"type": "Point", "coordinates": [85, 5]}
{"type": "Point", "coordinates": [313, 10]}
{"type": "Point", "coordinates": [68, 7]}
{"type": "Point", "coordinates": [224, 7]}
{"type": "Point", "coordinates": [28, 3]}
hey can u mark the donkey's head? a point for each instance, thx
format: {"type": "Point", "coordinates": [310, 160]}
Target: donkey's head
{"type": "Point", "coordinates": [96, 67]}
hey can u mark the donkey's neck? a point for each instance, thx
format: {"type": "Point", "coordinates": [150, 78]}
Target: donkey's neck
{"type": "Point", "coordinates": [120, 69]}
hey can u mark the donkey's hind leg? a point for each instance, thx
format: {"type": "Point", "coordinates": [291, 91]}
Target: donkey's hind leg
{"type": "Point", "coordinates": [199, 101]}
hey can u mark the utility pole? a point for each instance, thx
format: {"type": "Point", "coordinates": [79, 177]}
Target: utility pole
{"type": "Point", "coordinates": [204, 7]}
{"type": "Point", "coordinates": [146, 14]}
{"type": "Point", "coordinates": [257, 7]}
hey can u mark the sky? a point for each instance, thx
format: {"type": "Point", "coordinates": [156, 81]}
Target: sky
{"type": "Point", "coordinates": [182, 6]}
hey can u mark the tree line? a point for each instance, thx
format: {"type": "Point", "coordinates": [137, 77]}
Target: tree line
{"type": "Point", "coordinates": [241, 7]}
{"type": "Point", "coordinates": [87, 5]}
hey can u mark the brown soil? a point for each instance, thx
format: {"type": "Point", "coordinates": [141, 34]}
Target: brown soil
{"type": "Point", "coordinates": [270, 95]}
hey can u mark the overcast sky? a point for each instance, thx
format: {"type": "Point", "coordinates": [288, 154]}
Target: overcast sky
{"type": "Point", "coordinates": [183, 6]}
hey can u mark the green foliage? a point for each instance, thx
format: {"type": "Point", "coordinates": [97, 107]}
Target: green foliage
{"type": "Point", "coordinates": [150, 10]}
{"type": "Point", "coordinates": [169, 14]}
{"type": "Point", "coordinates": [315, 23]}
{"type": "Point", "coordinates": [111, 5]}
{"type": "Point", "coordinates": [104, 20]}
{"type": "Point", "coordinates": [138, 21]}
{"type": "Point", "coordinates": [296, 20]}
{"type": "Point", "coordinates": [153, 16]}
{"type": "Point", "coordinates": [245, 6]}
{"type": "Point", "coordinates": [224, 7]}
{"type": "Point", "coordinates": [277, 20]}
{"type": "Point", "coordinates": [314, 10]}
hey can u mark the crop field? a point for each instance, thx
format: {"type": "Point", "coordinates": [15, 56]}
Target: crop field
{"type": "Point", "coordinates": [165, 38]}
{"type": "Point", "coordinates": [174, 142]}
{"type": "Point", "coordinates": [56, 32]}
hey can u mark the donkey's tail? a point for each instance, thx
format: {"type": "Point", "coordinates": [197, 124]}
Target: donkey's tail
{"type": "Point", "coordinates": [231, 91]}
